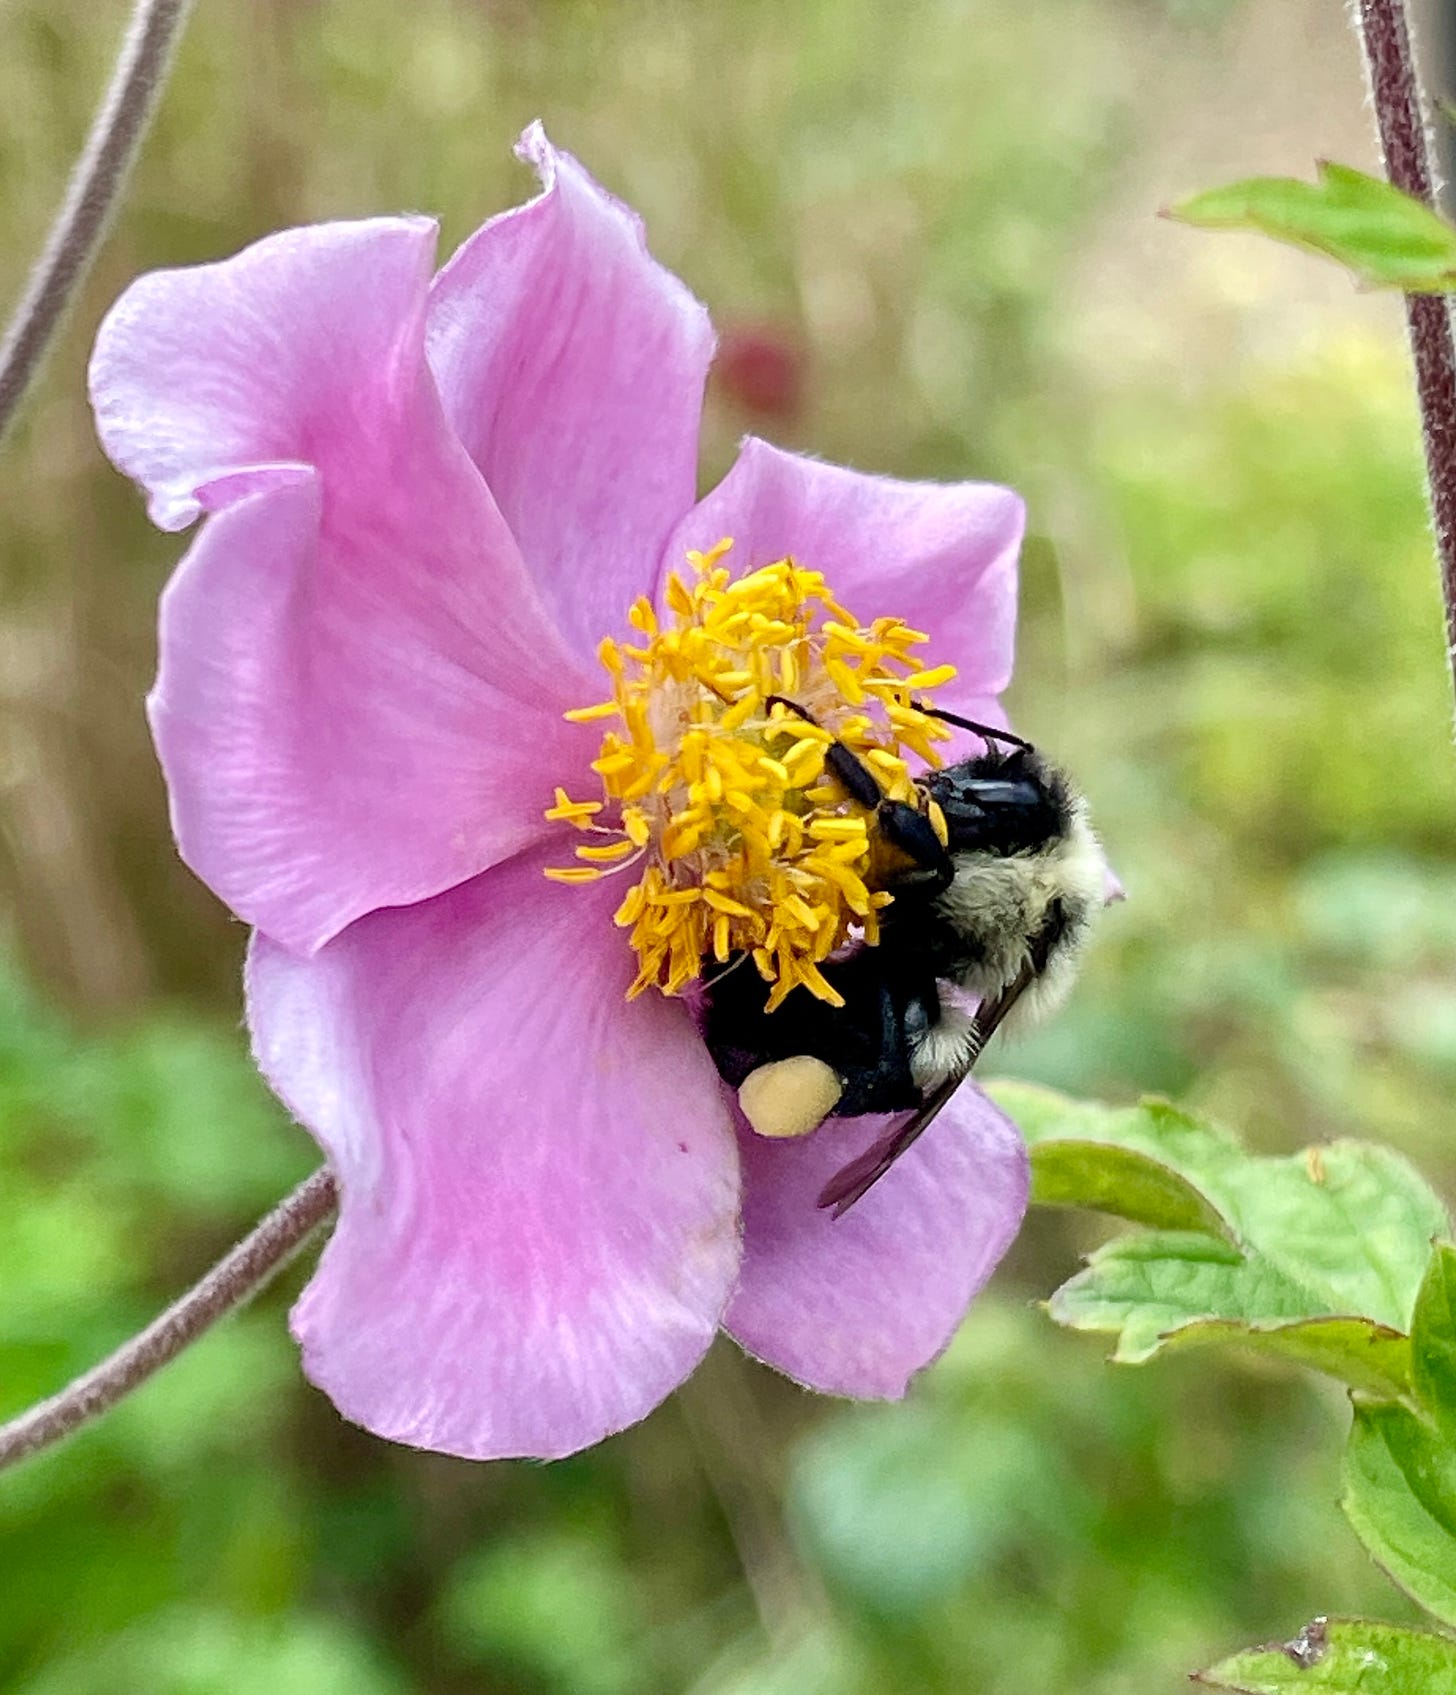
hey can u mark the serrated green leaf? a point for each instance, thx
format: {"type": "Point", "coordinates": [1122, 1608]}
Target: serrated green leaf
{"type": "Point", "coordinates": [1365, 1355]}
{"type": "Point", "coordinates": [1351, 1222]}
{"type": "Point", "coordinates": [1433, 1340]}
{"type": "Point", "coordinates": [1316, 1257]}
{"type": "Point", "coordinates": [1179, 1289]}
{"type": "Point", "coordinates": [1400, 1495]}
{"type": "Point", "coordinates": [1342, 1657]}
{"type": "Point", "coordinates": [1145, 1286]}
{"type": "Point", "coordinates": [1386, 237]}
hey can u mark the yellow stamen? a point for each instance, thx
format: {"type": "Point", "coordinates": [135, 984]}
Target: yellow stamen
{"type": "Point", "coordinates": [607, 854]}
{"type": "Point", "coordinates": [572, 811]}
{"type": "Point", "coordinates": [747, 843]}
{"type": "Point", "coordinates": [932, 679]}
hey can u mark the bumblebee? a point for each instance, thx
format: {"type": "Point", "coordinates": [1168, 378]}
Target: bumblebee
{"type": "Point", "coordinates": [998, 911]}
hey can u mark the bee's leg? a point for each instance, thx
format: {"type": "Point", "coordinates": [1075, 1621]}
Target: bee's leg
{"type": "Point", "coordinates": [902, 825]}
{"type": "Point", "coordinates": [845, 765]}
{"type": "Point", "coordinates": [908, 829]}
{"type": "Point", "coordinates": [883, 1078]}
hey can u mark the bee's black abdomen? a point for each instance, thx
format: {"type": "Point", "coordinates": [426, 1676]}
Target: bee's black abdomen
{"type": "Point", "coordinates": [866, 1042]}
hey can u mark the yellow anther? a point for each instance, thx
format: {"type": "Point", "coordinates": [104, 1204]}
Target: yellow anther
{"type": "Point", "coordinates": [584, 714]}
{"type": "Point", "coordinates": [737, 716]}
{"type": "Point", "coordinates": [837, 829]}
{"type": "Point", "coordinates": [935, 678]}
{"type": "Point", "coordinates": [631, 908]}
{"type": "Point", "coordinates": [572, 874]}
{"type": "Point", "coordinates": [642, 617]}
{"type": "Point", "coordinates": [842, 636]}
{"type": "Point", "coordinates": [722, 903]}
{"type": "Point", "coordinates": [571, 811]}
{"type": "Point", "coordinates": [845, 680]}
{"type": "Point", "coordinates": [606, 854]}
{"type": "Point", "coordinates": [679, 598]}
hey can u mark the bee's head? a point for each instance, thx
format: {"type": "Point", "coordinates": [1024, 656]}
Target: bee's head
{"type": "Point", "coordinates": [1001, 802]}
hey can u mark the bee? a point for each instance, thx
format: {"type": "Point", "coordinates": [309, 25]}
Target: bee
{"type": "Point", "coordinates": [999, 910]}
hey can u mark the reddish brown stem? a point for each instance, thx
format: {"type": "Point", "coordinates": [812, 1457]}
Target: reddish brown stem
{"type": "Point", "coordinates": [1405, 144]}
{"type": "Point", "coordinates": [234, 1279]}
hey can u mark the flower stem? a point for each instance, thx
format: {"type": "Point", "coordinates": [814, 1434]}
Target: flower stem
{"type": "Point", "coordinates": [234, 1279]}
{"type": "Point", "coordinates": [1405, 144]}
{"type": "Point", "coordinates": [117, 131]}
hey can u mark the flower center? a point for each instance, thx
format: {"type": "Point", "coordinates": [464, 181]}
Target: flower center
{"type": "Point", "coordinates": [717, 792]}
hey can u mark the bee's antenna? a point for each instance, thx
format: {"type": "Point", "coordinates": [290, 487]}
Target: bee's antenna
{"type": "Point", "coordinates": [985, 731]}
{"type": "Point", "coordinates": [791, 705]}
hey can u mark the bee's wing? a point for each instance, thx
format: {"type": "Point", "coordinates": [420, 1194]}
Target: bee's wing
{"type": "Point", "coordinates": [861, 1174]}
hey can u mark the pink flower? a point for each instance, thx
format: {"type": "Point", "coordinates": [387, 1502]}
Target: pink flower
{"type": "Point", "coordinates": [425, 502]}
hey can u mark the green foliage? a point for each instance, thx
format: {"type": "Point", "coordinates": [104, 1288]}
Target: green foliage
{"type": "Point", "coordinates": [1140, 1163]}
{"type": "Point", "coordinates": [999, 1519]}
{"type": "Point", "coordinates": [192, 1650]}
{"type": "Point", "coordinates": [1385, 236]}
{"type": "Point", "coordinates": [1343, 1657]}
{"type": "Point", "coordinates": [1433, 1341]}
{"type": "Point", "coordinates": [1400, 1495]}
{"type": "Point", "coordinates": [504, 1605]}
{"type": "Point", "coordinates": [1326, 1259]}
{"type": "Point", "coordinates": [1317, 1256]}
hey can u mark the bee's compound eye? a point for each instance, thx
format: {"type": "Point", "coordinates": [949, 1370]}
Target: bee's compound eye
{"type": "Point", "coordinates": [789, 1097]}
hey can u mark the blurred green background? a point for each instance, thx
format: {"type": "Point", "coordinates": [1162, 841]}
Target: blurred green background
{"type": "Point", "coordinates": [927, 230]}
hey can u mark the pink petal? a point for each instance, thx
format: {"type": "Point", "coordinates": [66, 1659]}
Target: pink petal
{"type": "Point", "coordinates": [941, 556]}
{"type": "Point", "coordinates": [856, 1305]}
{"type": "Point", "coordinates": [537, 1232]}
{"type": "Point", "coordinates": [264, 359]}
{"type": "Point", "coordinates": [572, 365]}
{"type": "Point", "coordinates": [359, 696]}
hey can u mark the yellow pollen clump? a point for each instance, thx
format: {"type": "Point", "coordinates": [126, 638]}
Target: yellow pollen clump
{"type": "Point", "coordinates": [720, 798]}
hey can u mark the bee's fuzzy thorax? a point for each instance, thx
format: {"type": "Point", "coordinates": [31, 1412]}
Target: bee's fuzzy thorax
{"type": "Point", "coordinates": [999, 904]}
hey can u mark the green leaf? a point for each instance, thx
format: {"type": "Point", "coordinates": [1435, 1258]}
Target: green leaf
{"type": "Point", "coordinates": [1400, 1495]}
{"type": "Point", "coordinates": [1433, 1340]}
{"type": "Point", "coordinates": [1144, 1287]}
{"type": "Point", "coordinates": [1316, 1257]}
{"type": "Point", "coordinates": [1350, 1221]}
{"type": "Point", "coordinates": [1365, 1355]}
{"type": "Point", "coordinates": [1139, 1163]}
{"type": "Point", "coordinates": [1166, 1289]}
{"type": "Point", "coordinates": [1343, 1657]}
{"type": "Point", "coordinates": [1122, 1183]}
{"type": "Point", "coordinates": [1386, 237]}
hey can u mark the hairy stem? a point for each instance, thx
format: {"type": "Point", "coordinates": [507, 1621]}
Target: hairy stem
{"type": "Point", "coordinates": [96, 183]}
{"type": "Point", "coordinates": [234, 1279]}
{"type": "Point", "coordinates": [1405, 144]}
